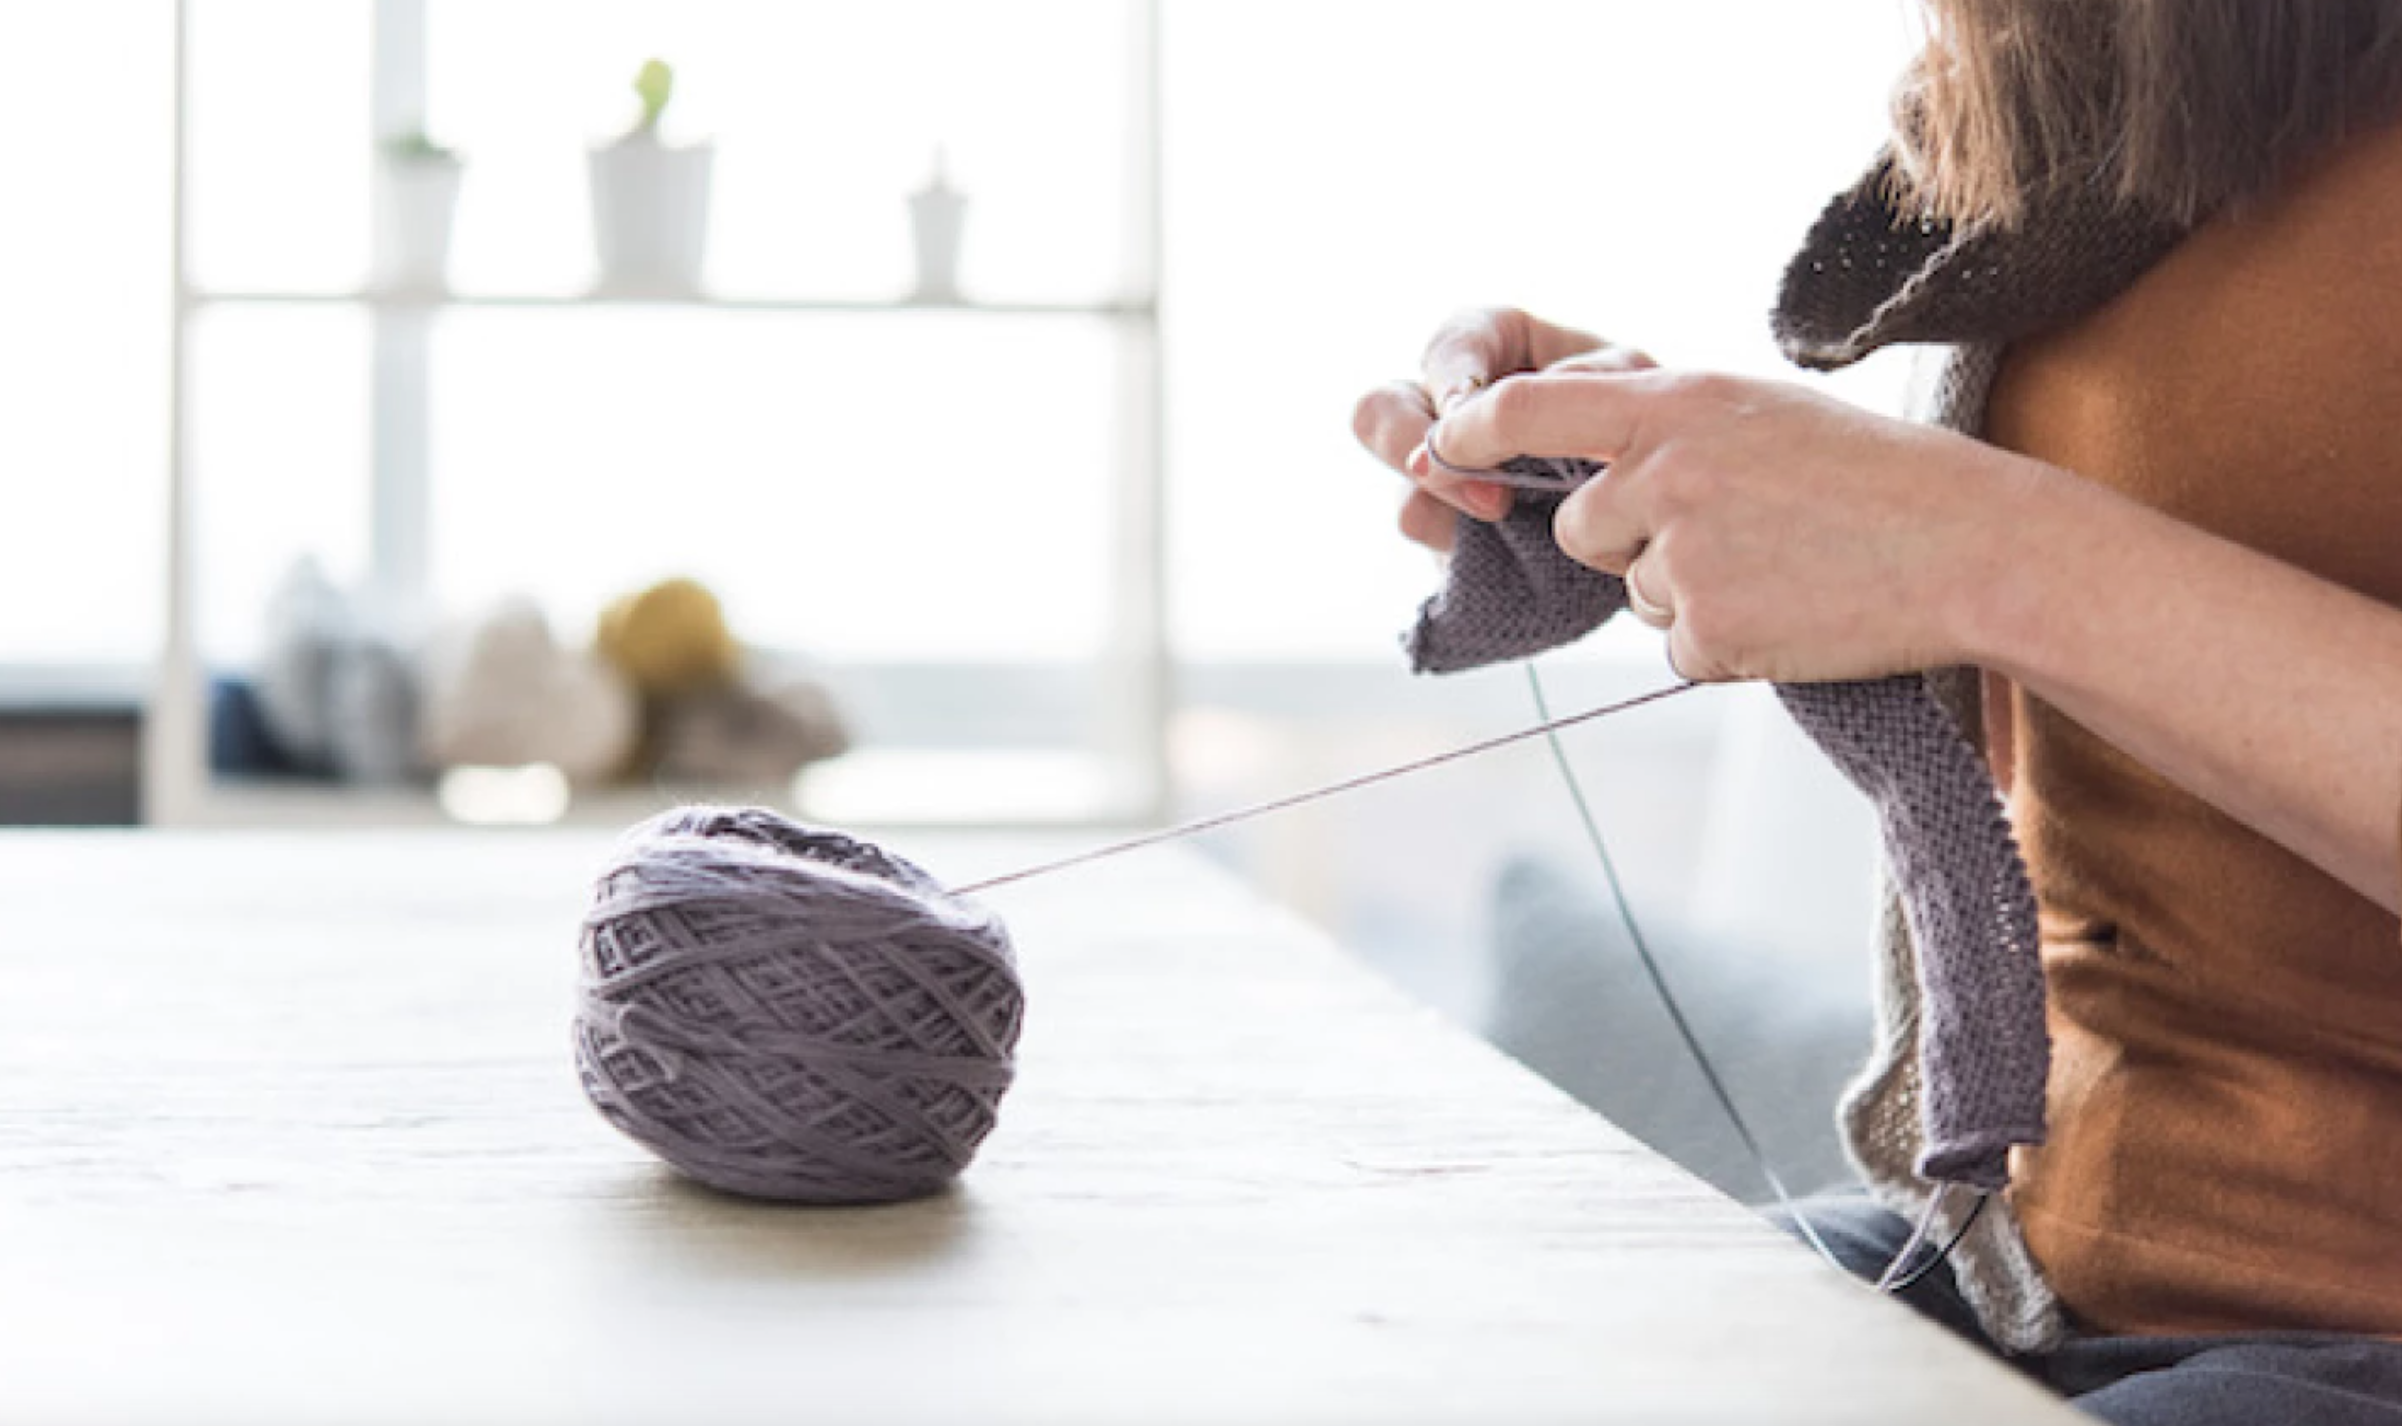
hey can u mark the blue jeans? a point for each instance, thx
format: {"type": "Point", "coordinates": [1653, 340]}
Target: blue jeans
{"type": "Point", "coordinates": [2249, 1379]}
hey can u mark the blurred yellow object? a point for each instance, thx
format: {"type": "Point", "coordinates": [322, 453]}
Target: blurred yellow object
{"type": "Point", "coordinates": [671, 639]}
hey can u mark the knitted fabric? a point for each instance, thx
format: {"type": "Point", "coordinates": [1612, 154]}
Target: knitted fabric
{"type": "Point", "coordinates": [1510, 593]}
{"type": "Point", "coordinates": [1957, 1076]}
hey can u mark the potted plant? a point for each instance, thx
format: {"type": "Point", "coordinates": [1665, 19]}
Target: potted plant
{"type": "Point", "coordinates": [937, 214]}
{"type": "Point", "coordinates": [650, 200]}
{"type": "Point", "coordinates": [416, 195]}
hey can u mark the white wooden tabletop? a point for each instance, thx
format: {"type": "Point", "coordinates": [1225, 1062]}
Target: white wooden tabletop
{"type": "Point", "coordinates": [289, 1133]}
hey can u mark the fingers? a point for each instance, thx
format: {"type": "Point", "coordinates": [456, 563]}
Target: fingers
{"type": "Point", "coordinates": [1651, 598]}
{"type": "Point", "coordinates": [1599, 525]}
{"type": "Point", "coordinates": [1391, 420]}
{"type": "Point", "coordinates": [1641, 575]}
{"type": "Point", "coordinates": [1485, 344]}
{"type": "Point", "coordinates": [1607, 358]}
{"type": "Point", "coordinates": [1429, 522]}
{"type": "Point", "coordinates": [1583, 413]}
{"type": "Point", "coordinates": [1692, 661]}
{"type": "Point", "coordinates": [1470, 351]}
{"type": "Point", "coordinates": [1481, 498]}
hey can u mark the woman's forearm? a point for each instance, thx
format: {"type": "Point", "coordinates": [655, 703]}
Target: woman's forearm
{"type": "Point", "coordinates": [2272, 694]}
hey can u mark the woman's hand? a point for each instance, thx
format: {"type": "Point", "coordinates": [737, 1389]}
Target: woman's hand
{"type": "Point", "coordinates": [1784, 536]}
{"type": "Point", "coordinates": [1772, 532]}
{"type": "Point", "coordinates": [1468, 353]}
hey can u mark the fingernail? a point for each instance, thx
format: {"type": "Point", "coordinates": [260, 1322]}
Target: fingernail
{"type": "Point", "coordinates": [1416, 462]}
{"type": "Point", "coordinates": [1491, 501]}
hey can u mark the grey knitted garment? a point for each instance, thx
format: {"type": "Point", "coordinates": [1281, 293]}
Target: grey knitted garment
{"type": "Point", "coordinates": [1509, 593]}
{"type": "Point", "coordinates": [1958, 1075]}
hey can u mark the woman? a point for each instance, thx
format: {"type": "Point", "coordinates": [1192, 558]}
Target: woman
{"type": "Point", "coordinates": [2164, 238]}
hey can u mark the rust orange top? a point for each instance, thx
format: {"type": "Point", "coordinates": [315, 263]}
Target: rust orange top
{"type": "Point", "coordinates": [2226, 1098]}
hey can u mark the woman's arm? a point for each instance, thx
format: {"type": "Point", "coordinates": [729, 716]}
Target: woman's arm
{"type": "Point", "coordinates": [2272, 694]}
{"type": "Point", "coordinates": [1793, 538]}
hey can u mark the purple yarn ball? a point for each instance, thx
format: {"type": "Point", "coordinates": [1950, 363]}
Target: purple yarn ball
{"type": "Point", "coordinates": [785, 1012]}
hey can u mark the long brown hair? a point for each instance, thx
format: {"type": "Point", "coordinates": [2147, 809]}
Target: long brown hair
{"type": "Point", "coordinates": [2177, 106]}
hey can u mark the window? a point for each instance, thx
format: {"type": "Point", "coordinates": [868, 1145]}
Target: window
{"type": "Point", "coordinates": [930, 501]}
{"type": "Point", "coordinates": [1343, 174]}
{"type": "Point", "coordinates": [84, 303]}
{"type": "Point", "coordinates": [929, 493]}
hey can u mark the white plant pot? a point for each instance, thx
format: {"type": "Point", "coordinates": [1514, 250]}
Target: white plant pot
{"type": "Point", "coordinates": [937, 217]}
{"type": "Point", "coordinates": [650, 216]}
{"type": "Point", "coordinates": [415, 201]}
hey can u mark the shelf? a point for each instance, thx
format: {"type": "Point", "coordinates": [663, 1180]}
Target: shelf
{"type": "Point", "coordinates": [397, 299]}
{"type": "Point", "coordinates": [76, 688]}
{"type": "Point", "coordinates": [923, 788]}
{"type": "Point", "coordinates": [1122, 779]}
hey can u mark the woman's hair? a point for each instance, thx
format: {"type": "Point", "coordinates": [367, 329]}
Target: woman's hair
{"type": "Point", "coordinates": [2178, 106]}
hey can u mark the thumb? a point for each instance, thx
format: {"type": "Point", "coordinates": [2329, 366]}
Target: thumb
{"type": "Point", "coordinates": [1472, 351]}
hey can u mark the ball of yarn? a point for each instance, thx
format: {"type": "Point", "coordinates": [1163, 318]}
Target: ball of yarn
{"type": "Point", "coordinates": [670, 639]}
{"type": "Point", "coordinates": [790, 1013]}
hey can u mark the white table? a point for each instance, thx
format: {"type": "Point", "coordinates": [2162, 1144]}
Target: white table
{"type": "Point", "coordinates": [289, 1133]}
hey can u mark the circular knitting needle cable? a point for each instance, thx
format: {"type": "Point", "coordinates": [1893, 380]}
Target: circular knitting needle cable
{"type": "Point", "coordinates": [1917, 1239]}
{"type": "Point", "coordinates": [1893, 1279]}
{"type": "Point", "coordinates": [1659, 981]}
{"type": "Point", "coordinates": [1548, 728]}
{"type": "Point", "coordinates": [1942, 1254]}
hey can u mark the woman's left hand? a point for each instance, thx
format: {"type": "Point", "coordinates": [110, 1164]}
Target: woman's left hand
{"type": "Point", "coordinates": [1772, 532]}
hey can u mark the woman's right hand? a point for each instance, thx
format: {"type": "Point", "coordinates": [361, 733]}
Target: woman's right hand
{"type": "Point", "coordinates": [1468, 353]}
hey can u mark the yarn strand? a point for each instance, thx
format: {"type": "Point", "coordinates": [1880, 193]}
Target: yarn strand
{"type": "Point", "coordinates": [1349, 784]}
{"type": "Point", "coordinates": [790, 1013]}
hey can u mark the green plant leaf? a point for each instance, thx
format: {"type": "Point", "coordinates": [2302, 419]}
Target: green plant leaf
{"type": "Point", "coordinates": [414, 146]}
{"type": "Point", "coordinates": [654, 84]}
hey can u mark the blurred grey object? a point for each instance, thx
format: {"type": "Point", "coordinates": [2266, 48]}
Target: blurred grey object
{"type": "Point", "coordinates": [764, 729]}
{"type": "Point", "coordinates": [371, 711]}
{"type": "Point", "coordinates": [337, 692]}
{"type": "Point", "coordinates": [307, 620]}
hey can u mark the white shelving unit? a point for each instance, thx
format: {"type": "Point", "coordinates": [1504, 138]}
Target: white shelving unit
{"type": "Point", "coordinates": [1125, 777]}
{"type": "Point", "coordinates": [390, 300]}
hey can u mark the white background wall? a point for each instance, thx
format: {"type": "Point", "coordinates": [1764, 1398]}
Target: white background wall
{"type": "Point", "coordinates": [1340, 174]}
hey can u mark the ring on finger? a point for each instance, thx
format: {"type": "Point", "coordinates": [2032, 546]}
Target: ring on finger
{"type": "Point", "coordinates": [1649, 610]}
